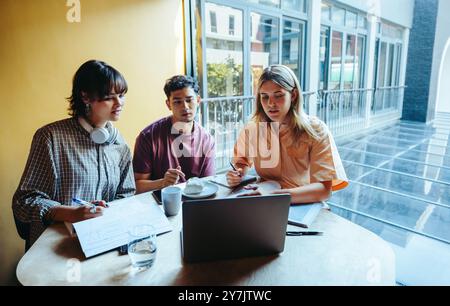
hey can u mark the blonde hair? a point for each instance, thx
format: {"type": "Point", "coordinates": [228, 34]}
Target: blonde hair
{"type": "Point", "coordinates": [299, 121]}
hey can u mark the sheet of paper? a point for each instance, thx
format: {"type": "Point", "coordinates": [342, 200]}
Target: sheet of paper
{"type": "Point", "coordinates": [110, 231]}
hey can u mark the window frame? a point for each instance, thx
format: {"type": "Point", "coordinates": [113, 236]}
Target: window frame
{"type": "Point", "coordinates": [192, 56]}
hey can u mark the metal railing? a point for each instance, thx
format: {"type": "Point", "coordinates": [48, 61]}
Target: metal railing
{"type": "Point", "coordinates": [306, 97]}
{"type": "Point", "coordinates": [343, 110]}
{"type": "Point", "coordinates": [387, 99]}
{"type": "Point", "coordinates": [223, 118]}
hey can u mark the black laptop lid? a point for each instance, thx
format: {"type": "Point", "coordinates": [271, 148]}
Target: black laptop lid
{"type": "Point", "coordinates": [234, 227]}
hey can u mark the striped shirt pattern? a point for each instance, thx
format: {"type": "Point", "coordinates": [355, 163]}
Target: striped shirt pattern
{"type": "Point", "coordinates": [64, 163]}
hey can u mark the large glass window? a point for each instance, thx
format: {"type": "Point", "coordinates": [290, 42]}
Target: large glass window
{"type": "Point", "coordinates": [326, 12]}
{"type": "Point", "coordinates": [224, 52]}
{"type": "Point", "coordinates": [295, 5]}
{"type": "Point", "coordinates": [213, 21]}
{"type": "Point", "coordinates": [390, 67]}
{"type": "Point", "coordinates": [341, 56]}
{"type": "Point", "coordinates": [336, 61]}
{"type": "Point", "coordinates": [293, 33]}
{"type": "Point", "coordinates": [235, 42]}
{"type": "Point", "coordinates": [362, 22]}
{"type": "Point", "coordinates": [359, 62]}
{"type": "Point", "coordinates": [264, 44]}
{"type": "Point", "coordinates": [376, 58]}
{"type": "Point", "coordinates": [338, 16]}
{"type": "Point", "coordinates": [272, 3]}
{"type": "Point", "coordinates": [231, 25]}
{"type": "Point", "coordinates": [351, 20]}
{"type": "Point", "coordinates": [350, 58]}
{"type": "Point", "coordinates": [398, 62]}
{"type": "Point", "coordinates": [387, 74]}
{"type": "Point", "coordinates": [232, 42]}
{"type": "Point", "coordinates": [323, 57]}
{"type": "Point", "coordinates": [388, 55]}
{"type": "Point", "coordinates": [387, 64]}
{"type": "Point", "coordinates": [382, 65]}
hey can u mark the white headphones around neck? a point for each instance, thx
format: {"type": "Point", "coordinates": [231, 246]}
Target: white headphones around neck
{"type": "Point", "coordinates": [100, 135]}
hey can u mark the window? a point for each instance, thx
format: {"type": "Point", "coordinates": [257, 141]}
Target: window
{"type": "Point", "coordinates": [213, 18]}
{"type": "Point", "coordinates": [338, 16]}
{"type": "Point", "coordinates": [359, 61]}
{"type": "Point", "coordinates": [382, 65]}
{"type": "Point", "coordinates": [326, 12]}
{"type": "Point", "coordinates": [267, 23]}
{"type": "Point", "coordinates": [349, 65]}
{"type": "Point", "coordinates": [336, 61]}
{"type": "Point", "coordinates": [264, 44]}
{"type": "Point", "coordinates": [295, 5]}
{"type": "Point", "coordinates": [341, 56]}
{"type": "Point", "coordinates": [272, 3]}
{"type": "Point", "coordinates": [292, 48]}
{"type": "Point", "coordinates": [388, 55]}
{"type": "Point", "coordinates": [323, 58]}
{"type": "Point", "coordinates": [231, 25]}
{"type": "Point", "coordinates": [362, 22]}
{"type": "Point", "coordinates": [228, 64]}
{"type": "Point", "coordinates": [398, 62]}
{"type": "Point", "coordinates": [376, 58]}
{"type": "Point", "coordinates": [286, 51]}
{"type": "Point", "coordinates": [390, 63]}
{"type": "Point", "coordinates": [224, 55]}
{"type": "Point", "coordinates": [391, 31]}
{"type": "Point", "coordinates": [351, 20]}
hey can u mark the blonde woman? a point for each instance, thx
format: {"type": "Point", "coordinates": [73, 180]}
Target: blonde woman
{"type": "Point", "coordinates": [286, 145]}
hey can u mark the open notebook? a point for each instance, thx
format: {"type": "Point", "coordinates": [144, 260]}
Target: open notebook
{"type": "Point", "coordinates": [110, 231]}
{"type": "Point", "coordinates": [304, 215]}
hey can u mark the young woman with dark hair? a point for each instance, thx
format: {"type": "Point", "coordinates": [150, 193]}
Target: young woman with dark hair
{"type": "Point", "coordinates": [83, 156]}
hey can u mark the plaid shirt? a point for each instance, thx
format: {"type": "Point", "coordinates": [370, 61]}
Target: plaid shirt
{"type": "Point", "coordinates": [64, 163]}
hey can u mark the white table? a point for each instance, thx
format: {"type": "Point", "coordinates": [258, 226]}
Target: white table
{"type": "Point", "coordinates": [346, 254]}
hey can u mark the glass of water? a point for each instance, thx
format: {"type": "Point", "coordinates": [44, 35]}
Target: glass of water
{"type": "Point", "coordinates": [142, 246]}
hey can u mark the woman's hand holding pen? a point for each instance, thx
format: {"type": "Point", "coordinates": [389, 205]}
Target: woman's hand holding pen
{"type": "Point", "coordinates": [75, 214]}
{"type": "Point", "coordinates": [234, 177]}
{"type": "Point", "coordinates": [85, 212]}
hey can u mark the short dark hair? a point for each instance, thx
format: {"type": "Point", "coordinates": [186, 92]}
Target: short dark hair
{"type": "Point", "coordinates": [179, 82]}
{"type": "Point", "coordinates": [97, 79]}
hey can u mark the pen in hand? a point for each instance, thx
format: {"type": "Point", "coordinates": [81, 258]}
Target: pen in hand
{"type": "Point", "coordinates": [304, 233]}
{"type": "Point", "coordinates": [93, 208]}
{"type": "Point", "coordinates": [234, 168]}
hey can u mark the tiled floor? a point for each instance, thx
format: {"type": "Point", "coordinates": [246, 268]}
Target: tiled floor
{"type": "Point", "coordinates": [400, 189]}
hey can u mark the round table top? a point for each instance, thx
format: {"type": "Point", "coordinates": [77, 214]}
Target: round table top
{"type": "Point", "coordinates": [346, 254]}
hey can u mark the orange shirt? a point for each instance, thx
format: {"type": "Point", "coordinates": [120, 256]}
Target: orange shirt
{"type": "Point", "coordinates": [276, 156]}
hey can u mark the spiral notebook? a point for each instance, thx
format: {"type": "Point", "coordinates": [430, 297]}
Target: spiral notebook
{"type": "Point", "coordinates": [304, 215]}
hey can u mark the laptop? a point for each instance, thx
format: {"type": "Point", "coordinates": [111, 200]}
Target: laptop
{"type": "Point", "coordinates": [230, 228]}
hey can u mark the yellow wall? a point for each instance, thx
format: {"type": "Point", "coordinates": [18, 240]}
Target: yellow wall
{"type": "Point", "coordinates": [39, 53]}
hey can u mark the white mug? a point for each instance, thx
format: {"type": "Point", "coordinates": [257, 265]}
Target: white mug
{"type": "Point", "coordinates": [171, 200]}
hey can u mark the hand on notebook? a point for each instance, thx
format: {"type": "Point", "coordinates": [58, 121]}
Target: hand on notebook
{"type": "Point", "coordinates": [254, 190]}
